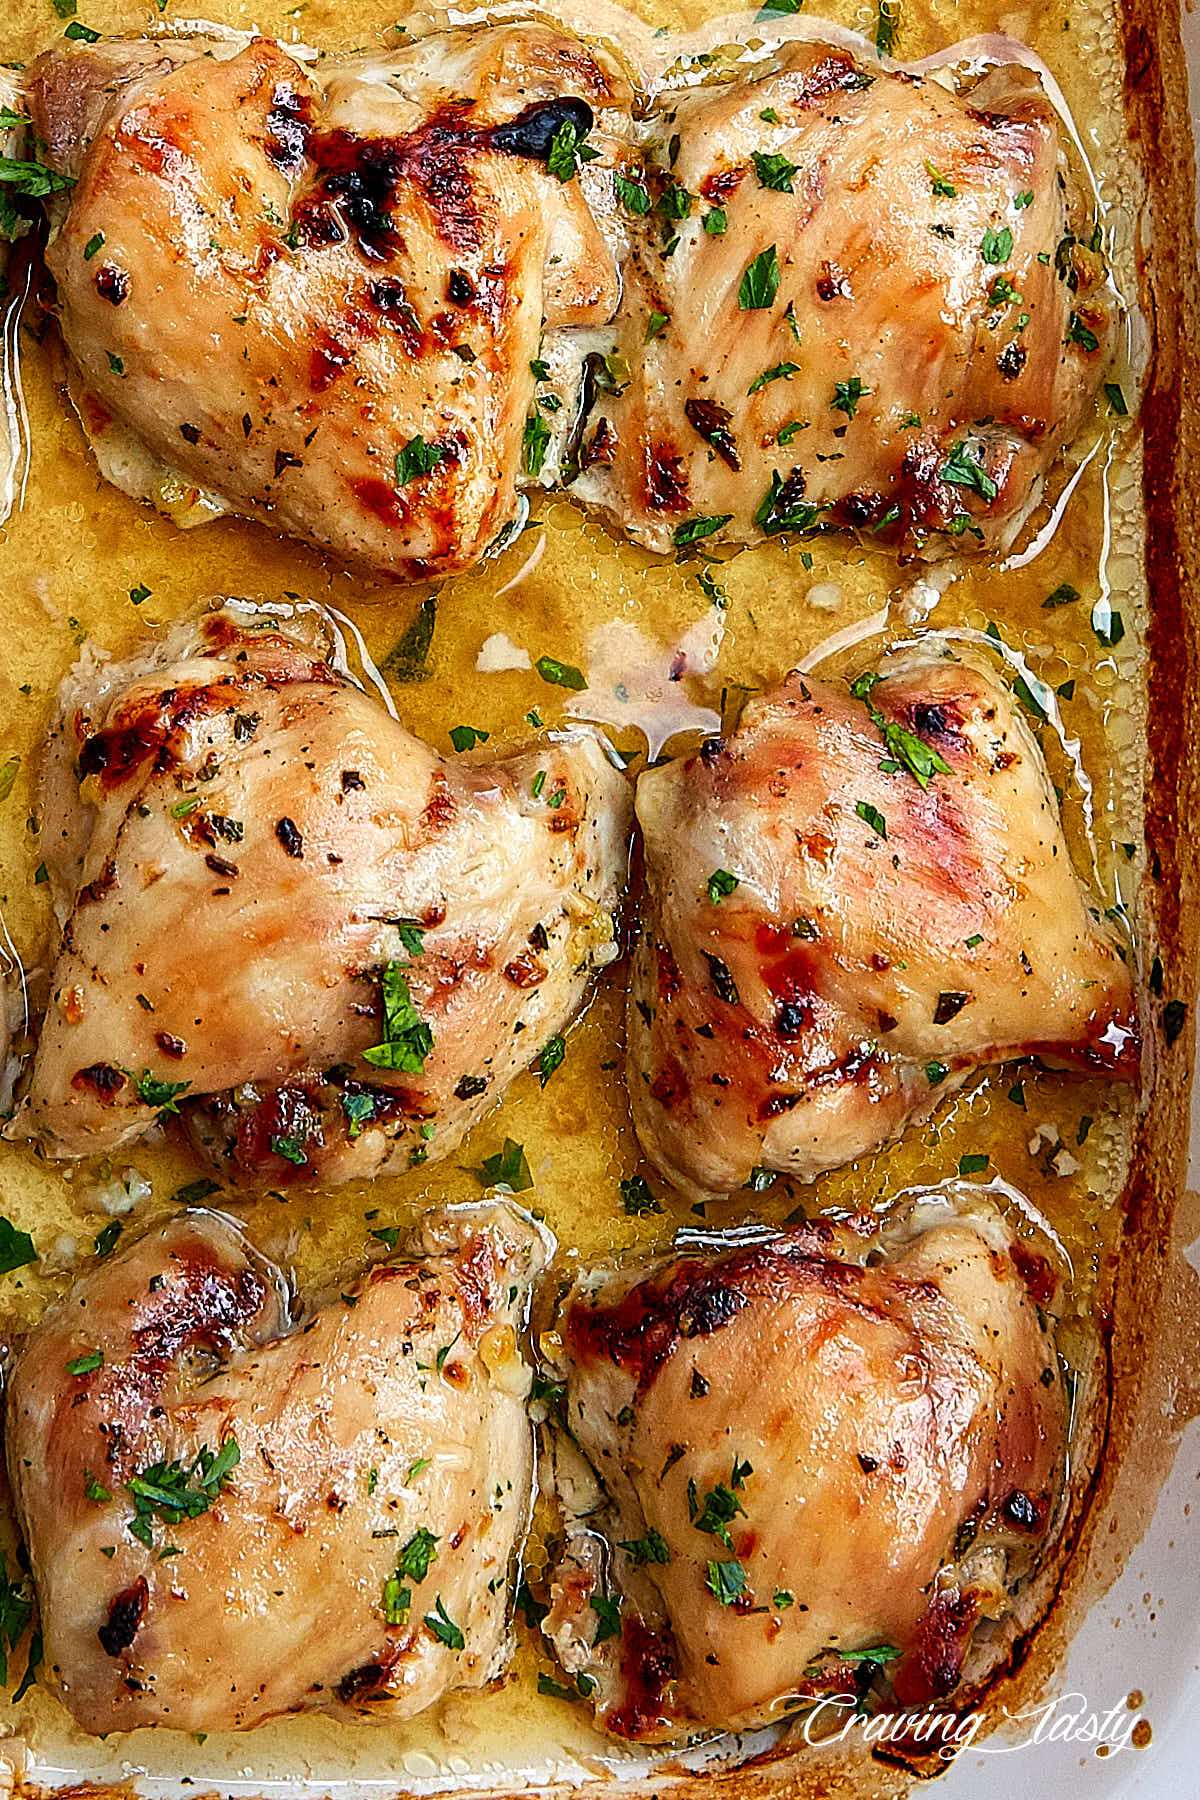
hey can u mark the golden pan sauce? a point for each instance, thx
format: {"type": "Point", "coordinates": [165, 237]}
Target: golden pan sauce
{"type": "Point", "coordinates": [73, 553]}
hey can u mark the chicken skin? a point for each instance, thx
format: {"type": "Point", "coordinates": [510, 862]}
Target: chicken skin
{"type": "Point", "coordinates": [858, 300]}
{"type": "Point", "coordinates": [817, 1465]}
{"type": "Point", "coordinates": [232, 1512]}
{"type": "Point", "coordinates": [314, 295]}
{"type": "Point", "coordinates": [854, 900]}
{"type": "Point", "coordinates": [276, 899]}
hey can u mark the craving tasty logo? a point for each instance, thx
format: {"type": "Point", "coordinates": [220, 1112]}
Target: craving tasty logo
{"type": "Point", "coordinates": [1066, 1719]}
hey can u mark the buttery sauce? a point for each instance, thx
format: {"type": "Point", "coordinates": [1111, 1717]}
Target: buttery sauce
{"type": "Point", "coordinates": [75, 558]}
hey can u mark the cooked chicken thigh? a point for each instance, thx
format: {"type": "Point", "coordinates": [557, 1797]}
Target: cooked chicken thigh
{"type": "Point", "coordinates": [815, 1468]}
{"type": "Point", "coordinates": [859, 300]}
{"type": "Point", "coordinates": [233, 1513]}
{"type": "Point", "coordinates": [315, 294]}
{"type": "Point", "coordinates": [856, 898]}
{"type": "Point", "coordinates": [275, 895]}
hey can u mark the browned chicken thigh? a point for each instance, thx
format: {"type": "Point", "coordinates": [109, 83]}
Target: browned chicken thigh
{"type": "Point", "coordinates": [315, 295]}
{"type": "Point", "coordinates": [234, 1512]}
{"type": "Point", "coordinates": [858, 300]}
{"type": "Point", "coordinates": [276, 898]}
{"type": "Point", "coordinates": [855, 899]}
{"type": "Point", "coordinates": [816, 1466]}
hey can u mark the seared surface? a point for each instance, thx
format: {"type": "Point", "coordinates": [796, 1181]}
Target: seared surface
{"type": "Point", "coordinates": [807, 1458]}
{"type": "Point", "coordinates": [388, 1409]}
{"type": "Point", "coordinates": [260, 867]}
{"type": "Point", "coordinates": [881, 937]}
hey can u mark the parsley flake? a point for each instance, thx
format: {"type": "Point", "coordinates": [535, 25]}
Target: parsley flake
{"type": "Point", "coordinates": [760, 281]}
{"type": "Point", "coordinates": [407, 1039]}
{"type": "Point", "coordinates": [774, 172]}
{"type": "Point", "coordinates": [418, 458]}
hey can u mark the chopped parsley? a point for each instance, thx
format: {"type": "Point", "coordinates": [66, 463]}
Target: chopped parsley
{"type": "Point", "coordinates": [16, 1247]}
{"type": "Point", "coordinates": [16, 1611]}
{"type": "Point", "coordinates": [972, 1164]}
{"type": "Point", "coordinates": [439, 1620]}
{"type": "Point", "coordinates": [760, 281]}
{"type": "Point", "coordinates": [1003, 293]}
{"type": "Point", "coordinates": [162, 1095]}
{"type": "Point", "coordinates": [1063, 595]}
{"type": "Point", "coordinates": [534, 445]}
{"type": "Point", "coordinates": [408, 659]}
{"type": "Point", "coordinates": [910, 751]}
{"type": "Point", "coordinates": [1027, 694]}
{"type": "Point", "coordinates": [712, 590]}
{"type": "Point", "coordinates": [506, 1168]}
{"type": "Point", "coordinates": [293, 1149]}
{"type": "Point", "coordinates": [716, 221]}
{"type": "Point", "coordinates": [551, 1058]}
{"type": "Point", "coordinates": [936, 1073]}
{"type": "Point", "coordinates": [784, 508]}
{"type": "Point", "coordinates": [779, 372]}
{"type": "Point", "coordinates": [417, 458]}
{"type": "Point", "coordinates": [716, 1512]}
{"type": "Point", "coordinates": [608, 1617]}
{"type": "Point", "coordinates": [962, 469]}
{"type": "Point", "coordinates": [1116, 399]}
{"type": "Point", "coordinates": [407, 1039]}
{"type": "Point", "coordinates": [632, 194]}
{"type": "Point", "coordinates": [887, 24]}
{"type": "Point", "coordinates": [653, 1548]}
{"type": "Point", "coordinates": [637, 1198]}
{"type": "Point", "coordinates": [465, 737]}
{"type": "Point", "coordinates": [774, 172]}
{"type": "Point", "coordinates": [675, 202]}
{"type": "Point", "coordinates": [171, 1492]}
{"type": "Point", "coordinates": [560, 674]}
{"type": "Point", "coordinates": [877, 1653]}
{"type": "Point", "coordinates": [726, 1581]}
{"type": "Point", "coordinates": [945, 190]}
{"type": "Point", "coordinates": [997, 246]}
{"type": "Point", "coordinates": [87, 1364]}
{"type": "Point", "coordinates": [32, 179]}
{"type": "Point", "coordinates": [1079, 332]}
{"type": "Point", "coordinates": [870, 815]}
{"type": "Point", "coordinates": [567, 151]}
{"type": "Point", "coordinates": [720, 885]}
{"type": "Point", "coordinates": [1108, 625]}
{"type": "Point", "coordinates": [846, 396]}
{"type": "Point", "coordinates": [412, 1565]}
{"type": "Point", "coordinates": [105, 1240]}
{"type": "Point", "coordinates": [692, 530]}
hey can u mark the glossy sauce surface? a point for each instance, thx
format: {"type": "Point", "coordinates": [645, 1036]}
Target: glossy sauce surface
{"type": "Point", "coordinates": [77, 555]}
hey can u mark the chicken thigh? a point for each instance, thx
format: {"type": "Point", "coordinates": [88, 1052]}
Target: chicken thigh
{"type": "Point", "coordinates": [859, 299]}
{"type": "Point", "coordinates": [817, 1465]}
{"type": "Point", "coordinates": [232, 1512]}
{"type": "Point", "coordinates": [276, 897]}
{"type": "Point", "coordinates": [316, 296]}
{"type": "Point", "coordinates": [854, 900]}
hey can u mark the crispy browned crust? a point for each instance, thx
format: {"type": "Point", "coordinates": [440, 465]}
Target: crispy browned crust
{"type": "Point", "coordinates": [1157, 107]}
